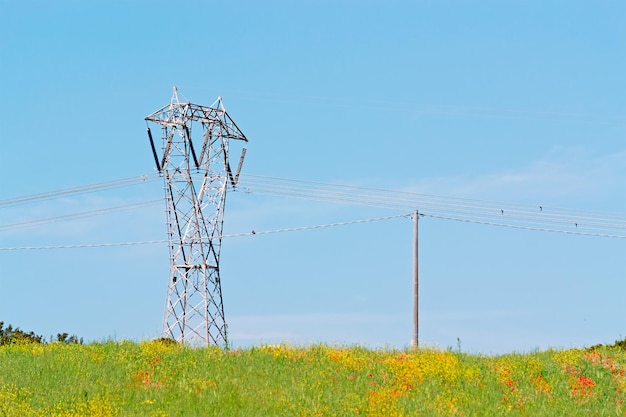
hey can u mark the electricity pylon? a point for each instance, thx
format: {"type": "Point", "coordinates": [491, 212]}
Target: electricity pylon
{"type": "Point", "coordinates": [195, 194]}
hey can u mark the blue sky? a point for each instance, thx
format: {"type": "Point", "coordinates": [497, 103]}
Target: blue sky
{"type": "Point", "coordinates": [509, 101]}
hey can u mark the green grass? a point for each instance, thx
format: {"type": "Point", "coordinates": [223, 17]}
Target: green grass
{"type": "Point", "coordinates": [158, 379]}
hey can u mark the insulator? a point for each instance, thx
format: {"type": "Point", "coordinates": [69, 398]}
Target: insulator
{"type": "Point", "coordinates": [168, 145]}
{"type": "Point", "coordinates": [206, 141]}
{"type": "Point", "coordinates": [193, 152]}
{"type": "Point", "coordinates": [154, 152]}
{"type": "Point", "coordinates": [243, 155]}
{"type": "Point", "coordinates": [227, 165]}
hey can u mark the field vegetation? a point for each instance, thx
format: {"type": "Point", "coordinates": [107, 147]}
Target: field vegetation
{"type": "Point", "coordinates": [162, 378]}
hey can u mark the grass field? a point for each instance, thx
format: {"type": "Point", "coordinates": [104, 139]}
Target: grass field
{"type": "Point", "coordinates": [161, 379]}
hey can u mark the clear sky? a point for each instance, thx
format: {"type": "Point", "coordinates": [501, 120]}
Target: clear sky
{"type": "Point", "coordinates": [508, 101]}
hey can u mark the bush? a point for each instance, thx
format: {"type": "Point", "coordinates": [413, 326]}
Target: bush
{"type": "Point", "coordinates": [67, 339]}
{"type": "Point", "coordinates": [10, 335]}
{"type": "Point", "coordinates": [619, 344]}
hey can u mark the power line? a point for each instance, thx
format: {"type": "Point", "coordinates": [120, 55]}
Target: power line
{"type": "Point", "coordinates": [251, 233]}
{"type": "Point", "coordinates": [537, 216]}
{"type": "Point", "coordinates": [538, 229]}
{"type": "Point", "coordinates": [82, 189]}
{"type": "Point", "coordinates": [78, 215]}
{"type": "Point", "coordinates": [85, 245]}
{"type": "Point", "coordinates": [488, 212]}
{"type": "Point", "coordinates": [336, 193]}
{"type": "Point", "coordinates": [384, 194]}
{"type": "Point", "coordinates": [320, 226]}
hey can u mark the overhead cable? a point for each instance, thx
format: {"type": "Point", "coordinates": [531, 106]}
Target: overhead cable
{"type": "Point", "coordinates": [515, 215]}
{"type": "Point", "coordinates": [537, 229]}
{"type": "Point", "coordinates": [251, 233]}
{"type": "Point", "coordinates": [78, 215]}
{"type": "Point", "coordinates": [471, 209]}
{"type": "Point", "coordinates": [101, 186]}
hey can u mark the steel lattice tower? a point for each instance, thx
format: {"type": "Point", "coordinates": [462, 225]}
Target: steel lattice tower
{"type": "Point", "coordinates": [195, 194]}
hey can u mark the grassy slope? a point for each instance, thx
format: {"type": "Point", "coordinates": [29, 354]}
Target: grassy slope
{"type": "Point", "coordinates": [155, 379]}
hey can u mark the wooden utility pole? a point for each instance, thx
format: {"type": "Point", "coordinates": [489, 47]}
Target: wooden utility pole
{"type": "Point", "coordinates": [414, 341]}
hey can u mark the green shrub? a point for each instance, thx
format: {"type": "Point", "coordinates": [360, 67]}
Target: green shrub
{"type": "Point", "coordinates": [10, 335]}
